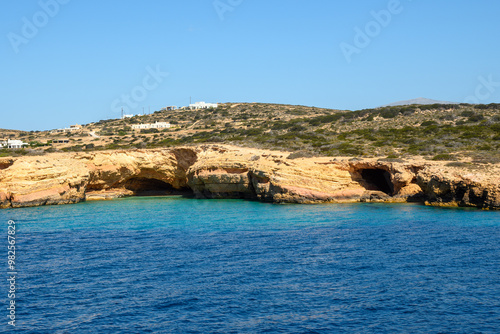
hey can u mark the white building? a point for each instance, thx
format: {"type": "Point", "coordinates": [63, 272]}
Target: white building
{"type": "Point", "coordinates": [202, 105]}
{"type": "Point", "coordinates": [169, 108]}
{"type": "Point", "coordinates": [13, 144]}
{"type": "Point", "coordinates": [157, 125]}
{"type": "Point", "coordinates": [71, 128]}
{"type": "Point", "coordinates": [127, 116]}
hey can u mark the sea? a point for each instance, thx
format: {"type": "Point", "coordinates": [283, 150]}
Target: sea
{"type": "Point", "coordinates": [180, 265]}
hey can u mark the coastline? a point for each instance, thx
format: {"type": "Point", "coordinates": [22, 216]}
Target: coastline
{"type": "Point", "coordinates": [225, 171]}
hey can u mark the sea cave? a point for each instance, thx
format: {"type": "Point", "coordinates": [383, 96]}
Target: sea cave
{"type": "Point", "coordinates": [142, 186]}
{"type": "Point", "coordinates": [379, 179]}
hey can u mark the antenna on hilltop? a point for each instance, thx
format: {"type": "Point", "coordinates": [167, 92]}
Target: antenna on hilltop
{"type": "Point", "coordinates": [122, 112]}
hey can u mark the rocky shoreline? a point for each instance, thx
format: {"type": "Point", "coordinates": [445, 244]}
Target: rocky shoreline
{"type": "Point", "coordinates": [223, 171]}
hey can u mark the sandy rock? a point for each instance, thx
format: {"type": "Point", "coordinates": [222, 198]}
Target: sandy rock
{"type": "Point", "coordinates": [447, 189]}
{"type": "Point", "coordinates": [34, 181]}
{"type": "Point", "coordinates": [223, 171]}
{"type": "Point", "coordinates": [103, 195]}
{"type": "Point", "coordinates": [4, 200]}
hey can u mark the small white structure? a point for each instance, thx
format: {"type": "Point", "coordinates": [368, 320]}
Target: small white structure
{"type": "Point", "coordinates": [71, 128]}
{"type": "Point", "coordinates": [169, 108]}
{"type": "Point", "coordinates": [127, 116]}
{"type": "Point", "coordinates": [202, 105]}
{"type": "Point", "coordinates": [157, 125]}
{"type": "Point", "coordinates": [13, 144]}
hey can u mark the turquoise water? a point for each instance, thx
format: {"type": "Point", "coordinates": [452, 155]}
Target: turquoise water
{"type": "Point", "coordinates": [178, 213]}
{"type": "Point", "coordinates": [175, 265]}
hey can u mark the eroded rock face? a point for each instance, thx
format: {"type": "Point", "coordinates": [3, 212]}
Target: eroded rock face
{"type": "Point", "coordinates": [270, 177]}
{"type": "Point", "coordinates": [399, 175]}
{"type": "Point", "coordinates": [34, 181]}
{"type": "Point", "coordinates": [453, 189]}
{"type": "Point", "coordinates": [6, 163]}
{"type": "Point", "coordinates": [222, 171]}
{"type": "Point", "coordinates": [71, 178]}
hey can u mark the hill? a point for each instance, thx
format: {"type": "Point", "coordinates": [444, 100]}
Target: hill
{"type": "Point", "coordinates": [462, 132]}
{"type": "Point", "coordinates": [420, 100]}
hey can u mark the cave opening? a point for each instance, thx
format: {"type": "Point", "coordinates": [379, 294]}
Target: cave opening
{"type": "Point", "coordinates": [142, 186]}
{"type": "Point", "coordinates": [379, 178]}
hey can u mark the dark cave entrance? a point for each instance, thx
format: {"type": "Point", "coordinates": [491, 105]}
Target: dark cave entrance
{"type": "Point", "coordinates": [142, 186]}
{"type": "Point", "coordinates": [379, 178]}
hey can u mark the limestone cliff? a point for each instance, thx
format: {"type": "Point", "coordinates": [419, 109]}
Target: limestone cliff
{"type": "Point", "coordinates": [222, 171]}
{"type": "Point", "coordinates": [455, 188]}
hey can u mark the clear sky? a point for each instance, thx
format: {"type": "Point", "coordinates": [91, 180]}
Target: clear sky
{"type": "Point", "coordinates": [77, 61]}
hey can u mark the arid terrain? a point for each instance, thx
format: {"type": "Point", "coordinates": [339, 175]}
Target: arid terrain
{"type": "Point", "coordinates": [454, 132]}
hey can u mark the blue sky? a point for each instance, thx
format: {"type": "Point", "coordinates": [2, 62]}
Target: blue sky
{"type": "Point", "coordinates": [82, 61]}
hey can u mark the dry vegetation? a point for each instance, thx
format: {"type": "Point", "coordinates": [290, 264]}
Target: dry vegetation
{"type": "Point", "coordinates": [440, 132]}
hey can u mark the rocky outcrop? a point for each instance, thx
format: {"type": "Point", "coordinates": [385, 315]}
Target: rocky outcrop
{"type": "Point", "coordinates": [459, 189]}
{"type": "Point", "coordinates": [33, 181]}
{"type": "Point", "coordinates": [72, 178]}
{"type": "Point", "coordinates": [269, 176]}
{"type": "Point", "coordinates": [222, 171]}
{"type": "Point", "coordinates": [388, 181]}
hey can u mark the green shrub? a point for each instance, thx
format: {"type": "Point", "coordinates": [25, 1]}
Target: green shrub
{"type": "Point", "coordinates": [475, 118]}
{"type": "Point", "coordinates": [427, 123]}
{"type": "Point", "coordinates": [300, 154]}
{"type": "Point", "coordinates": [467, 113]}
{"type": "Point", "coordinates": [443, 157]}
{"type": "Point", "coordinates": [389, 113]}
{"type": "Point", "coordinates": [144, 131]}
{"type": "Point", "coordinates": [458, 164]}
{"type": "Point", "coordinates": [484, 147]}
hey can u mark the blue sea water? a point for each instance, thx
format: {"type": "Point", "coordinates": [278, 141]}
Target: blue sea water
{"type": "Point", "coordinates": [175, 265]}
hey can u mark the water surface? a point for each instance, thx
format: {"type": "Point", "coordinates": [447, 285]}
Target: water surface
{"type": "Point", "coordinates": [174, 265]}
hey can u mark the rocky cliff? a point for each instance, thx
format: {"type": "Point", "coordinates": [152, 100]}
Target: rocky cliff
{"type": "Point", "coordinates": [221, 171]}
{"type": "Point", "coordinates": [461, 188]}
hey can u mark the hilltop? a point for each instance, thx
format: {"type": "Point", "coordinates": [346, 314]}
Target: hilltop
{"type": "Point", "coordinates": [469, 133]}
{"type": "Point", "coordinates": [420, 100]}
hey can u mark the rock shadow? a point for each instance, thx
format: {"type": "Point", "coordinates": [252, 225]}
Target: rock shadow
{"type": "Point", "coordinates": [142, 186]}
{"type": "Point", "coordinates": [378, 179]}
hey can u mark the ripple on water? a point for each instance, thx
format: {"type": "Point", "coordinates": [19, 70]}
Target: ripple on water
{"type": "Point", "coordinates": [171, 265]}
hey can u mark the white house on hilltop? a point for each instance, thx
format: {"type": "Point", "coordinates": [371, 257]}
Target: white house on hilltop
{"type": "Point", "coordinates": [202, 105]}
{"type": "Point", "coordinates": [169, 108]}
{"type": "Point", "coordinates": [13, 144]}
{"type": "Point", "coordinates": [157, 125]}
{"type": "Point", "coordinates": [70, 129]}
